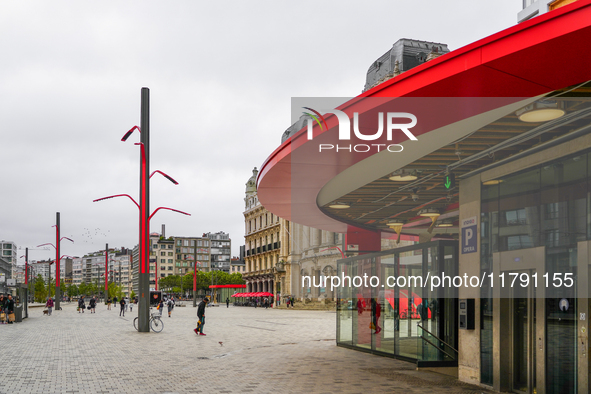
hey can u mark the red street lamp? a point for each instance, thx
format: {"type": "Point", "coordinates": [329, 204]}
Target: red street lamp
{"type": "Point", "coordinates": [143, 205]}
{"type": "Point", "coordinates": [58, 292]}
{"type": "Point", "coordinates": [26, 256]}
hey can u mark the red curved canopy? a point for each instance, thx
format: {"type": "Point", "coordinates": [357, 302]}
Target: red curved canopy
{"type": "Point", "coordinates": [543, 54]}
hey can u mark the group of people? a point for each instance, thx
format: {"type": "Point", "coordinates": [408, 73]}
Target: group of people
{"type": "Point", "coordinates": [124, 303]}
{"type": "Point", "coordinates": [91, 304]}
{"type": "Point", "coordinates": [169, 304]}
{"type": "Point", "coordinates": [6, 309]}
{"type": "Point", "coordinates": [289, 302]}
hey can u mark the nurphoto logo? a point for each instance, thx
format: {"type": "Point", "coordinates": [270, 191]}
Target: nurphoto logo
{"type": "Point", "coordinates": [392, 120]}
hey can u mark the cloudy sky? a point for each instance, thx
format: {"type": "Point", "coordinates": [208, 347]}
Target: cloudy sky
{"type": "Point", "coordinates": [221, 76]}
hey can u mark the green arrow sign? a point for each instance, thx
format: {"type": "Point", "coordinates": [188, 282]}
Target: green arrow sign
{"type": "Point", "coordinates": [449, 181]}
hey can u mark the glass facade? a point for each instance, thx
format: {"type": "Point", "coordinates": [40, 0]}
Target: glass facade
{"type": "Point", "coordinates": [383, 308]}
{"type": "Point", "coordinates": [547, 206]}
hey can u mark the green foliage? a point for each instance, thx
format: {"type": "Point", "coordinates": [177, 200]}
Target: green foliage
{"type": "Point", "coordinates": [72, 290]}
{"type": "Point", "coordinates": [40, 289]}
{"type": "Point", "coordinates": [114, 291]}
{"type": "Point", "coordinates": [83, 289]}
{"type": "Point", "coordinates": [177, 284]}
{"type": "Point", "coordinates": [132, 296]}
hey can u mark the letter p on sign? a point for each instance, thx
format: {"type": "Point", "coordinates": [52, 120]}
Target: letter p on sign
{"type": "Point", "coordinates": [469, 235]}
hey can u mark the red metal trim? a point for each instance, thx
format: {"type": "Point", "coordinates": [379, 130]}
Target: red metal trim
{"type": "Point", "coordinates": [227, 286]}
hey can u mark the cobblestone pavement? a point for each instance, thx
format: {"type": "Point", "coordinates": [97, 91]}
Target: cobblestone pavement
{"type": "Point", "coordinates": [245, 350]}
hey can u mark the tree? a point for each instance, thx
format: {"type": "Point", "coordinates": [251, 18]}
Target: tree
{"type": "Point", "coordinates": [40, 289]}
{"type": "Point", "coordinates": [82, 289]}
{"type": "Point", "coordinates": [114, 291]}
{"type": "Point", "coordinates": [72, 290]}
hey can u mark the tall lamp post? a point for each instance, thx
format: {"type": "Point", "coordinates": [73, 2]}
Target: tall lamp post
{"type": "Point", "coordinates": [144, 208]}
{"type": "Point", "coordinates": [58, 294]}
{"type": "Point", "coordinates": [26, 300]}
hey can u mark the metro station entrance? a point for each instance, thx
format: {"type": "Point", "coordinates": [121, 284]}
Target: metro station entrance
{"type": "Point", "coordinates": [396, 314]}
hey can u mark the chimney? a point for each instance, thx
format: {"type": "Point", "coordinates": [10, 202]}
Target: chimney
{"type": "Point", "coordinates": [163, 236]}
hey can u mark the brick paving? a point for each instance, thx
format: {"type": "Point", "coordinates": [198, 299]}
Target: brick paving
{"type": "Point", "coordinates": [261, 351]}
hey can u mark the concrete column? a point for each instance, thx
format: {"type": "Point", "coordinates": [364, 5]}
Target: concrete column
{"type": "Point", "coordinates": [329, 293]}
{"type": "Point", "coordinates": [469, 263]}
{"type": "Point", "coordinates": [315, 237]}
{"type": "Point", "coordinates": [315, 276]}
{"type": "Point", "coordinates": [304, 238]}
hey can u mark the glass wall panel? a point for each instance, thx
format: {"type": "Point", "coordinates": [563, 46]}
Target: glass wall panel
{"type": "Point", "coordinates": [564, 193]}
{"type": "Point", "coordinates": [362, 332]}
{"type": "Point", "coordinates": [385, 319]}
{"type": "Point", "coordinates": [489, 243]}
{"type": "Point", "coordinates": [410, 265]}
{"type": "Point", "coordinates": [345, 308]}
{"type": "Point", "coordinates": [519, 211]}
{"type": "Point", "coordinates": [385, 267]}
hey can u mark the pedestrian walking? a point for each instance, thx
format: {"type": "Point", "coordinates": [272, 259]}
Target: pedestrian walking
{"type": "Point", "coordinates": [201, 316]}
{"type": "Point", "coordinates": [122, 304]}
{"type": "Point", "coordinates": [126, 303]}
{"type": "Point", "coordinates": [170, 305]}
{"type": "Point", "coordinates": [81, 305]}
{"type": "Point", "coordinates": [109, 302]}
{"type": "Point", "coordinates": [9, 309]}
{"type": "Point", "coordinates": [3, 317]}
{"type": "Point", "coordinates": [92, 303]}
{"type": "Point", "coordinates": [161, 306]}
{"type": "Point", "coordinates": [376, 311]}
{"type": "Point", "coordinates": [227, 302]}
{"type": "Point", "coordinates": [131, 305]}
{"type": "Point", "coordinates": [48, 305]}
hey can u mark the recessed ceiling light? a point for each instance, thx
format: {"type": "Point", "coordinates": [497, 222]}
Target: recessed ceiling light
{"type": "Point", "coordinates": [339, 205]}
{"type": "Point", "coordinates": [541, 111]}
{"type": "Point", "coordinates": [492, 182]}
{"type": "Point", "coordinates": [403, 176]}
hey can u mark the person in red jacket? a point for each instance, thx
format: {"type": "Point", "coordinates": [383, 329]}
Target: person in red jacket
{"type": "Point", "coordinates": [376, 311]}
{"type": "Point", "coordinates": [49, 305]}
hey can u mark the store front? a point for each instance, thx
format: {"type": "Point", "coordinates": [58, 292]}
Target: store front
{"type": "Point", "coordinates": [404, 318]}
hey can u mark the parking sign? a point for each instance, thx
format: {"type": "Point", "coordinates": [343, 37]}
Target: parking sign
{"type": "Point", "coordinates": [469, 235]}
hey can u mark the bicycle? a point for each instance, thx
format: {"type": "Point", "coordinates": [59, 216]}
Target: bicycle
{"type": "Point", "coordinates": [156, 324]}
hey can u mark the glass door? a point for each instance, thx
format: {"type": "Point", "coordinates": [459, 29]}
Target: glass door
{"type": "Point", "coordinates": [523, 337]}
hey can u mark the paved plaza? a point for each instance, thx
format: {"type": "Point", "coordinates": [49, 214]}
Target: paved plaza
{"type": "Point", "coordinates": [245, 350]}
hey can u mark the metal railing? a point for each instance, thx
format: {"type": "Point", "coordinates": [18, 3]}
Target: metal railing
{"type": "Point", "coordinates": [440, 340]}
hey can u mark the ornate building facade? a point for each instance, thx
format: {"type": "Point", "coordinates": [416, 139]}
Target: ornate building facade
{"type": "Point", "coordinates": [266, 244]}
{"type": "Point", "coordinates": [279, 253]}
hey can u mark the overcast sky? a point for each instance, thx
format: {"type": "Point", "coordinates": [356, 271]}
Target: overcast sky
{"type": "Point", "coordinates": [221, 76]}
